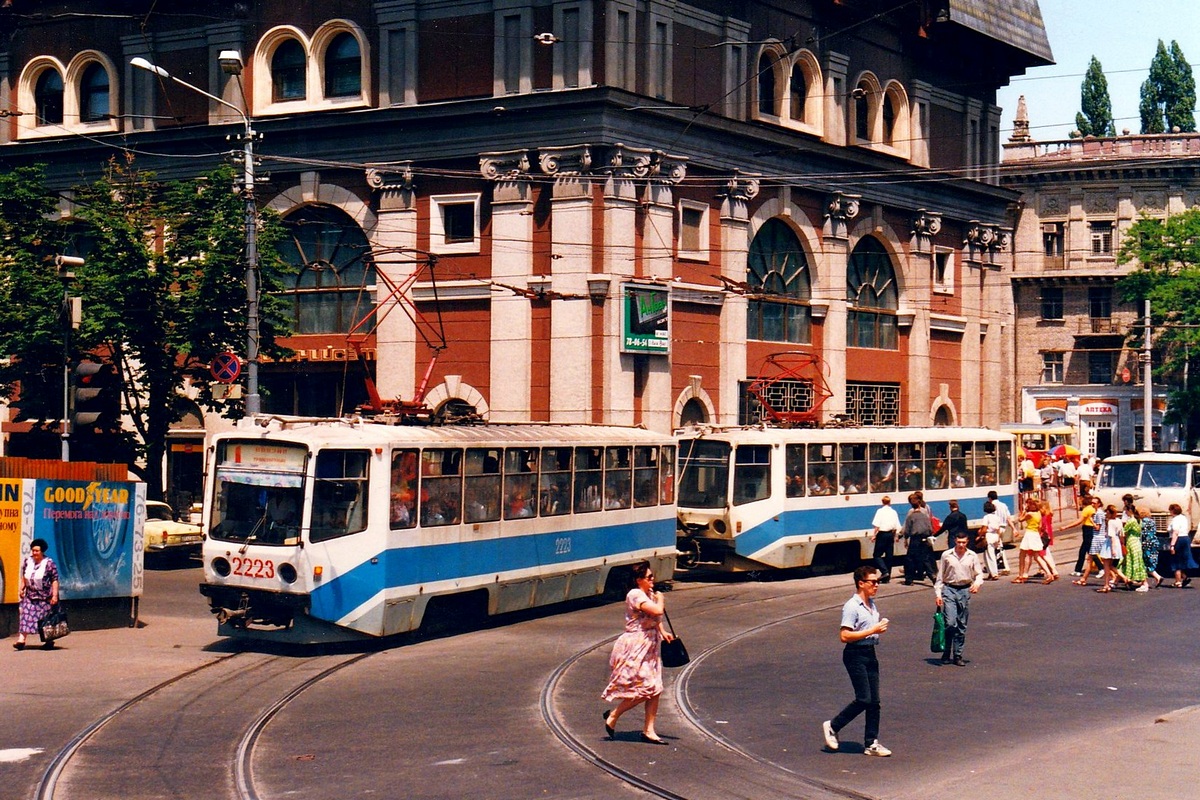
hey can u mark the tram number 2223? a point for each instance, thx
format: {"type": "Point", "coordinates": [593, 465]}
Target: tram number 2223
{"type": "Point", "coordinates": [562, 545]}
{"type": "Point", "coordinates": [253, 567]}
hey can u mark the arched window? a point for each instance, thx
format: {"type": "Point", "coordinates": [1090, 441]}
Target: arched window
{"type": "Point", "coordinates": [889, 120]}
{"type": "Point", "coordinates": [862, 113]}
{"type": "Point", "coordinates": [343, 67]}
{"type": "Point", "coordinates": [48, 98]}
{"type": "Point", "coordinates": [93, 93]}
{"type": "Point", "coordinates": [798, 88]}
{"type": "Point", "coordinates": [873, 297]}
{"type": "Point", "coordinates": [288, 72]}
{"type": "Point", "coordinates": [766, 84]}
{"type": "Point", "coordinates": [780, 286]}
{"type": "Point", "coordinates": [334, 287]}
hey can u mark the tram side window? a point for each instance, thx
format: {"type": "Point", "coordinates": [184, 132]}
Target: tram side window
{"type": "Point", "coordinates": [618, 478]}
{"type": "Point", "coordinates": [404, 489]}
{"type": "Point", "coordinates": [883, 467]}
{"type": "Point", "coordinates": [555, 495]}
{"type": "Point", "coordinates": [794, 462]}
{"type": "Point", "coordinates": [985, 464]}
{"type": "Point", "coordinates": [962, 464]}
{"type": "Point", "coordinates": [339, 494]}
{"type": "Point", "coordinates": [645, 476]}
{"type": "Point", "coordinates": [751, 473]}
{"type": "Point", "coordinates": [520, 482]}
{"type": "Point", "coordinates": [822, 470]}
{"type": "Point", "coordinates": [482, 489]}
{"type": "Point", "coordinates": [1005, 473]}
{"type": "Point", "coordinates": [1033, 442]}
{"type": "Point", "coordinates": [912, 467]}
{"type": "Point", "coordinates": [589, 463]}
{"type": "Point", "coordinates": [441, 487]}
{"type": "Point", "coordinates": [666, 489]}
{"type": "Point", "coordinates": [937, 470]}
{"type": "Point", "coordinates": [853, 463]}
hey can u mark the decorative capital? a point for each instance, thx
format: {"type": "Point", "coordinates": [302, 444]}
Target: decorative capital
{"type": "Point", "coordinates": [566, 162]}
{"type": "Point", "coordinates": [926, 223]}
{"type": "Point", "coordinates": [740, 187]}
{"type": "Point", "coordinates": [504, 166]}
{"type": "Point", "coordinates": [984, 240]}
{"type": "Point", "coordinates": [400, 179]}
{"type": "Point", "coordinates": [840, 208]}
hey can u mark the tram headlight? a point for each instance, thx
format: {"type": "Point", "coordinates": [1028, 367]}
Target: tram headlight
{"type": "Point", "coordinates": [287, 572]}
{"type": "Point", "coordinates": [221, 566]}
{"type": "Point", "coordinates": [718, 525]}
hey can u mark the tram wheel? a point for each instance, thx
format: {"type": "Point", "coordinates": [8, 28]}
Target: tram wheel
{"type": "Point", "coordinates": [689, 554]}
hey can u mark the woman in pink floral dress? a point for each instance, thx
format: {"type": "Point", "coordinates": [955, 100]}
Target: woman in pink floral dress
{"type": "Point", "coordinates": [636, 668]}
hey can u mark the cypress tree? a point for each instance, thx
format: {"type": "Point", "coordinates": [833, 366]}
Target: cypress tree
{"type": "Point", "coordinates": [1181, 106]}
{"type": "Point", "coordinates": [1096, 117]}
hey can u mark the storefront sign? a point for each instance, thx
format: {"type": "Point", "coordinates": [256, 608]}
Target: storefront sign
{"type": "Point", "coordinates": [1098, 409]}
{"type": "Point", "coordinates": [645, 319]}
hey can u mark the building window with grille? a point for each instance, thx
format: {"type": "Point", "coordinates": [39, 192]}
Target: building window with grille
{"type": "Point", "coordinates": [1101, 366]}
{"type": "Point", "coordinates": [873, 403]}
{"type": "Point", "coordinates": [334, 286]}
{"type": "Point", "coordinates": [779, 286]}
{"type": "Point", "coordinates": [1052, 303]}
{"type": "Point", "coordinates": [873, 297]}
{"type": "Point", "coordinates": [1052, 367]}
{"type": "Point", "coordinates": [782, 395]}
{"type": "Point", "coordinates": [1102, 238]}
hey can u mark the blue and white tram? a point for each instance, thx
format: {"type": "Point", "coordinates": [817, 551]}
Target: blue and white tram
{"type": "Point", "coordinates": [753, 498]}
{"type": "Point", "coordinates": [321, 530]}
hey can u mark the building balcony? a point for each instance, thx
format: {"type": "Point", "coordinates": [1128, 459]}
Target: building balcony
{"type": "Point", "coordinates": [1099, 326]}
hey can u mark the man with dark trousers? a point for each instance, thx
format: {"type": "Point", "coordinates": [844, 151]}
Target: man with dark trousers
{"type": "Point", "coordinates": [917, 530]}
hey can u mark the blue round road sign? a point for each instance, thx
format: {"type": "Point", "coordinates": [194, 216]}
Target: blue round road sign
{"type": "Point", "coordinates": [226, 367]}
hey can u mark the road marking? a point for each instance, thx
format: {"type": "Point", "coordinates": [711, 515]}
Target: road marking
{"type": "Point", "coordinates": [15, 754]}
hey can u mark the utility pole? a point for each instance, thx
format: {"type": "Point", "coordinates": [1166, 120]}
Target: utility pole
{"type": "Point", "coordinates": [1147, 389]}
{"type": "Point", "coordinates": [71, 313]}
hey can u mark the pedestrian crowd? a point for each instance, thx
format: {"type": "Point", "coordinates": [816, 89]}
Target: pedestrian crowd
{"type": "Point", "coordinates": [1127, 549]}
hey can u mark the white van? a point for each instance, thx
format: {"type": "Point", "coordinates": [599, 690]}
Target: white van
{"type": "Point", "coordinates": [1156, 480]}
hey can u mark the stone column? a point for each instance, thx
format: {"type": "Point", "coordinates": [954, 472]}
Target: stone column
{"type": "Point", "coordinates": [661, 174]}
{"type": "Point", "coordinates": [395, 336]}
{"type": "Point", "coordinates": [840, 209]}
{"type": "Point", "coordinates": [619, 259]}
{"type": "Point", "coordinates": [512, 263]}
{"type": "Point", "coordinates": [735, 248]}
{"type": "Point", "coordinates": [570, 257]}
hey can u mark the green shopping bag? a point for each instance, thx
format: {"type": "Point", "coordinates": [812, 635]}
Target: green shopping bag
{"type": "Point", "coordinates": [937, 640]}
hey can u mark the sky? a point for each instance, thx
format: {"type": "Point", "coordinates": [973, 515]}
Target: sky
{"type": "Point", "coordinates": [1123, 35]}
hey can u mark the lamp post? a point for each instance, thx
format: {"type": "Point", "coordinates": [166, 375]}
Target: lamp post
{"type": "Point", "coordinates": [71, 312]}
{"type": "Point", "coordinates": [231, 64]}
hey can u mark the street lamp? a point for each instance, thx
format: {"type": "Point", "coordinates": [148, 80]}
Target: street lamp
{"type": "Point", "coordinates": [231, 64]}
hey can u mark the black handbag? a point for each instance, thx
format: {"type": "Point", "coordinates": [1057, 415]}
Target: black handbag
{"type": "Point", "coordinates": [673, 653]}
{"type": "Point", "coordinates": [53, 625]}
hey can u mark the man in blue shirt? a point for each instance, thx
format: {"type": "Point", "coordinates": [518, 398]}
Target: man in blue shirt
{"type": "Point", "coordinates": [860, 631]}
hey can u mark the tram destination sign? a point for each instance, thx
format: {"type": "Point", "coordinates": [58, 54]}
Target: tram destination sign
{"type": "Point", "coordinates": [645, 319]}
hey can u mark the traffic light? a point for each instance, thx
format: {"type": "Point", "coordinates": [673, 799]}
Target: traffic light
{"type": "Point", "coordinates": [97, 401]}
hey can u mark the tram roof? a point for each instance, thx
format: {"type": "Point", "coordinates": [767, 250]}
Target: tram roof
{"type": "Point", "coordinates": [834, 435]}
{"type": "Point", "coordinates": [359, 431]}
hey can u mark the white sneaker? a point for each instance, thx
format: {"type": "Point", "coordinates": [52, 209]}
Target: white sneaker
{"type": "Point", "coordinates": [876, 749]}
{"type": "Point", "coordinates": [831, 740]}
{"type": "Point", "coordinates": [1142, 588]}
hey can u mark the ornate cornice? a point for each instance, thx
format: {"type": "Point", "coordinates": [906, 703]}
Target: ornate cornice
{"type": "Point", "coordinates": [506, 165]}
{"type": "Point", "coordinates": [566, 162]}
{"type": "Point", "coordinates": [925, 226]}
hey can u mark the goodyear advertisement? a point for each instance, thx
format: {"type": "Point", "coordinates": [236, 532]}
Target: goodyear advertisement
{"type": "Point", "coordinates": [10, 538]}
{"type": "Point", "coordinates": [94, 529]}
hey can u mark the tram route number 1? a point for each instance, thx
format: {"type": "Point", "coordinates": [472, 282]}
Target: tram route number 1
{"type": "Point", "coordinates": [253, 567]}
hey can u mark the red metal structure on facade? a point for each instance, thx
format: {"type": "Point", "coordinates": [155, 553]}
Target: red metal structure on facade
{"type": "Point", "coordinates": [793, 365]}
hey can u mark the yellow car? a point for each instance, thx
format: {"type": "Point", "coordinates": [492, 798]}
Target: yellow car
{"type": "Point", "coordinates": [168, 539]}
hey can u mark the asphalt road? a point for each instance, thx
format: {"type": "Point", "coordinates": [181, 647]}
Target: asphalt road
{"type": "Point", "coordinates": [1060, 699]}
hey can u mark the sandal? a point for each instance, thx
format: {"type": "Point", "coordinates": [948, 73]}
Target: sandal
{"type": "Point", "coordinates": [1177, 585]}
{"type": "Point", "coordinates": [1021, 579]}
{"type": "Point", "coordinates": [1104, 590]}
{"type": "Point", "coordinates": [1080, 583]}
{"type": "Point", "coordinates": [1047, 581]}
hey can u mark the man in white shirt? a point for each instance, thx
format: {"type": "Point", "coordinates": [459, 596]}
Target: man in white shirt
{"type": "Point", "coordinates": [885, 524]}
{"type": "Point", "coordinates": [1006, 521]}
{"type": "Point", "coordinates": [958, 577]}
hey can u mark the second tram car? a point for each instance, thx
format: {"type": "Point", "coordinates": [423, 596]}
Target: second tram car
{"type": "Point", "coordinates": [321, 530]}
{"type": "Point", "coordinates": [754, 498]}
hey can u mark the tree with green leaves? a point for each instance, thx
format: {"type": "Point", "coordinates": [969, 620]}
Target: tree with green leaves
{"type": "Point", "coordinates": [1167, 254]}
{"type": "Point", "coordinates": [1168, 99]}
{"type": "Point", "coordinates": [1096, 118]}
{"type": "Point", "coordinates": [161, 286]}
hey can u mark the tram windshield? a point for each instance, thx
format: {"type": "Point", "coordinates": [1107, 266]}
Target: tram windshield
{"type": "Point", "coordinates": [258, 493]}
{"type": "Point", "coordinates": [703, 473]}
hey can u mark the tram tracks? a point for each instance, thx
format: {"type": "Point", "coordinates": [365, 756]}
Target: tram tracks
{"type": "Point", "coordinates": [214, 713]}
{"type": "Point", "coordinates": [700, 761]}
